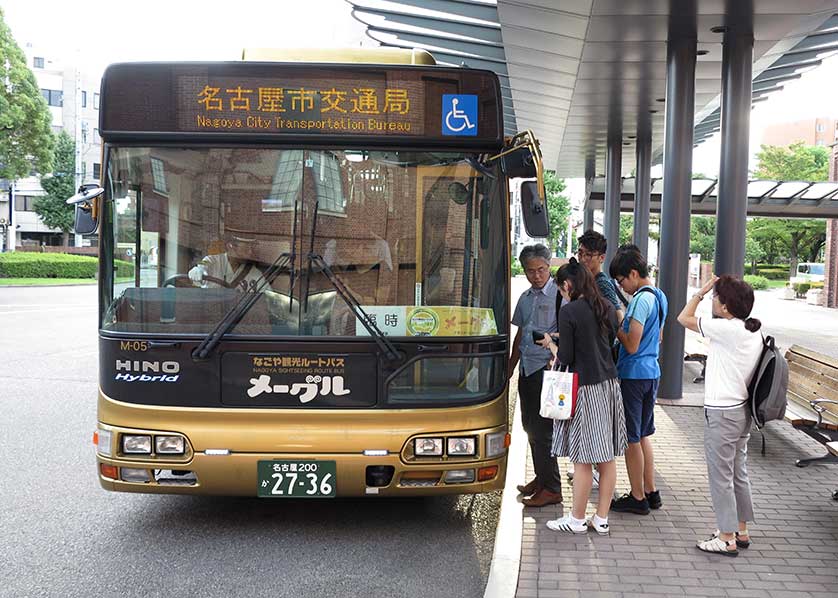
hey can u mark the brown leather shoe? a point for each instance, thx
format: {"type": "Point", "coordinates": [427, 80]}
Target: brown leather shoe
{"type": "Point", "coordinates": [529, 489]}
{"type": "Point", "coordinates": [543, 498]}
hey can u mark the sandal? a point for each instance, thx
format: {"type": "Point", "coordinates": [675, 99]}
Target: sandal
{"type": "Point", "coordinates": [739, 543]}
{"type": "Point", "coordinates": [743, 543]}
{"type": "Point", "coordinates": [719, 546]}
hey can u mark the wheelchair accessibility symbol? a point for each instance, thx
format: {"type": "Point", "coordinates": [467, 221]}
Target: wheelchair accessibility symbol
{"type": "Point", "coordinates": [459, 114]}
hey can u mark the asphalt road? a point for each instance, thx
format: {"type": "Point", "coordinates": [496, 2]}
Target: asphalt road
{"type": "Point", "coordinates": [62, 535]}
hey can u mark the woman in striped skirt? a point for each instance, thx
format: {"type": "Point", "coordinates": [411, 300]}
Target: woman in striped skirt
{"type": "Point", "coordinates": [597, 431]}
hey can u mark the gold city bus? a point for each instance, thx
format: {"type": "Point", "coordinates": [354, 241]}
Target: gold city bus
{"type": "Point", "coordinates": [304, 276]}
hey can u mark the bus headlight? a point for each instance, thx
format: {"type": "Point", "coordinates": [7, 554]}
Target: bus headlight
{"type": "Point", "coordinates": [136, 444]}
{"type": "Point", "coordinates": [169, 445]}
{"type": "Point", "coordinates": [495, 444]}
{"type": "Point", "coordinates": [427, 447]}
{"type": "Point", "coordinates": [459, 447]}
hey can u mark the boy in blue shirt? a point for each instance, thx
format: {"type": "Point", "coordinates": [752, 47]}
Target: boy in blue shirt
{"type": "Point", "coordinates": [639, 372]}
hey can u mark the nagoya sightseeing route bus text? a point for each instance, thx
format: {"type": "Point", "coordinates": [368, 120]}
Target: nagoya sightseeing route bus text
{"type": "Point", "coordinates": [304, 277]}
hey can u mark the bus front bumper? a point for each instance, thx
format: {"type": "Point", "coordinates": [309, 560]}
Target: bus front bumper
{"type": "Point", "coordinates": [236, 474]}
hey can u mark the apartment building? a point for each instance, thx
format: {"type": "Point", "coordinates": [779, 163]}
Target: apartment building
{"type": "Point", "coordinates": [73, 99]}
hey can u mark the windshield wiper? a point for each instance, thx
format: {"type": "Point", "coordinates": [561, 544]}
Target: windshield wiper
{"type": "Point", "coordinates": [383, 342]}
{"type": "Point", "coordinates": [251, 295]}
{"type": "Point", "coordinates": [242, 306]}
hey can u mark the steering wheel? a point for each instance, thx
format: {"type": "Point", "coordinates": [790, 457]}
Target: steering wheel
{"type": "Point", "coordinates": [183, 281]}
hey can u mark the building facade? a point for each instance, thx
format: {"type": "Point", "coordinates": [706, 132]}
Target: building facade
{"type": "Point", "coordinates": [73, 100]}
{"type": "Point", "coordinates": [821, 131]}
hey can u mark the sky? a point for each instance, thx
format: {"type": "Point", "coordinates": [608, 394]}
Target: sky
{"type": "Point", "coordinates": [95, 33]}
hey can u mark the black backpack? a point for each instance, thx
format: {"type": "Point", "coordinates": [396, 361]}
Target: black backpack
{"type": "Point", "coordinates": [768, 387]}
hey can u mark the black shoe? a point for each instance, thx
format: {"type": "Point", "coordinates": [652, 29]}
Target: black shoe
{"type": "Point", "coordinates": [628, 504]}
{"type": "Point", "coordinates": [654, 499]}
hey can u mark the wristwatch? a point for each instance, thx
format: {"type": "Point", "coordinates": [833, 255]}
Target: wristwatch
{"type": "Point", "coordinates": [699, 295]}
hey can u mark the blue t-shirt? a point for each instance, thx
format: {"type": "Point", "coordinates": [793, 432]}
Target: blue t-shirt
{"type": "Point", "coordinates": [643, 365]}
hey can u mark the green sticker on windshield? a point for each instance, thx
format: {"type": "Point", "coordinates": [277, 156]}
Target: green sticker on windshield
{"type": "Point", "coordinates": [422, 322]}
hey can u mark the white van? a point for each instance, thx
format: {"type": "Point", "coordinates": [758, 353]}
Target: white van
{"type": "Point", "coordinates": [808, 272]}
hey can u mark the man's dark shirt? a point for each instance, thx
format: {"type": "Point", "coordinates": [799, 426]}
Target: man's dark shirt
{"type": "Point", "coordinates": [608, 291]}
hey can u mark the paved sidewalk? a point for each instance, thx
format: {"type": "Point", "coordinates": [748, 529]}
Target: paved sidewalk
{"type": "Point", "coordinates": [795, 540]}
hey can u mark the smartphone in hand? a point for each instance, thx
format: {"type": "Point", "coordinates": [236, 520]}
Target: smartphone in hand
{"type": "Point", "coordinates": [537, 336]}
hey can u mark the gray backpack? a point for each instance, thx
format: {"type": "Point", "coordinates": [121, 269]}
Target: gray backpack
{"type": "Point", "coordinates": [767, 389]}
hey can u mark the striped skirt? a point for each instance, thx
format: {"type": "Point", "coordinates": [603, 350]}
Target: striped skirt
{"type": "Point", "coordinates": [597, 431]}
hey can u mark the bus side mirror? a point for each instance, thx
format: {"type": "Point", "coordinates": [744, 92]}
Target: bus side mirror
{"type": "Point", "coordinates": [84, 223]}
{"type": "Point", "coordinates": [86, 202]}
{"type": "Point", "coordinates": [534, 210]}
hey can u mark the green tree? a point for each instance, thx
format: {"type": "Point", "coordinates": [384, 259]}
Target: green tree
{"type": "Point", "coordinates": [798, 237]}
{"type": "Point", "coordinates": [52, 207]}
{"type": "Point", "coordinates": [627, 228]}
{"type": "Point", "coordinates": [558, 208]}
{"type": "Point", "coordinates": [703, 237]}
{"type": "Point", "coordinates": [797, 162]}
{"type": "Point", "coordinates": [25, 136]}
{"type": "Point", "coordinates": [753, 251]}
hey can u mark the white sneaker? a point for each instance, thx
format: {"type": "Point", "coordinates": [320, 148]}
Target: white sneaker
{"type": "Point", "coordinates": [601, 529]}
{"type": "Point", "coordinates": [568, 524]}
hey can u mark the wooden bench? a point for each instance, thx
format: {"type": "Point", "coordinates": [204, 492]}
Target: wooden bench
{"type": "Point", "coordinates": [813, 399]}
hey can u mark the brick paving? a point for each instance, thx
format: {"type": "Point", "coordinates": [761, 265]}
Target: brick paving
{"type": "Point", "coordinates": [795, 539]}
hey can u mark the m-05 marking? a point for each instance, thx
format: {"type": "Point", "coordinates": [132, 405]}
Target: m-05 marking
{"type": "Point", "coordinates": [139, 346]}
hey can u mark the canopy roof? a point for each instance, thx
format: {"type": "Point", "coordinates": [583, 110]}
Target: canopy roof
{"type": "Point", "coordinates": [579, 71]}
{"type": "Point", "coordinates": [789, 199]}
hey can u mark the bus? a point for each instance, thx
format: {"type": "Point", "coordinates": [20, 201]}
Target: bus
{"type": "Point", "coordinates": [304, 278]}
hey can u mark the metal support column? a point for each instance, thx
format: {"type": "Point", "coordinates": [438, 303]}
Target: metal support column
{"type": "Point", "coordinates": [588, 211]}
{"type": "Point", "coordinates": [675, 205]}
{"type": "Point", "coordinates": [732, 204]}
{"type": "Point", "coordinates": [642, 191]}
{"type": "Point", "coordinates": [588, 218]}
{"type": "Point", "coordinates": [613, 190]}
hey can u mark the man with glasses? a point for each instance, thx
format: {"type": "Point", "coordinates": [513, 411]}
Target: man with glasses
{"type": "Point", "coordinates": [591, 253]}
{"type": "Point", "coordinates": [536, 312]}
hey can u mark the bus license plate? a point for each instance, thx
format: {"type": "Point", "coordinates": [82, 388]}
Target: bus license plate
{"type": "Point", "coordinates": [296, 479]}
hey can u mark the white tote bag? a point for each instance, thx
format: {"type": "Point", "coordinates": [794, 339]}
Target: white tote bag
{"type": "Point", "coordinates": [558, 394]}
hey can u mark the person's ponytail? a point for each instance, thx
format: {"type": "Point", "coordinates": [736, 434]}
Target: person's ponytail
{"type": "Point", "coordinates": [752, 324]}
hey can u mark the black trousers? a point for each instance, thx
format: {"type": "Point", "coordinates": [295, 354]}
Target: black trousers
{"type": "Point", "coordinates": [539, 430]}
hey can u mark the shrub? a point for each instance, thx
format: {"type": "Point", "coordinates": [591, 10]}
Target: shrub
{"type": "Point", "coordinates": [516, 267]}
{"type": "Point", "coordinates": [757, 282]}
{"type": "Point", "coordinates": [801, 288]}
{"type": "Point", "coordinates": [774, 273]}
{"type": "Point", "coordinates": [123, 269]}
{"type": "Point", "coordinates": [21, 264]}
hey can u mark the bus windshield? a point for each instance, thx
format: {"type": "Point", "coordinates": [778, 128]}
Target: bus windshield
{"type": "Point", "coordinates": [416, 237]}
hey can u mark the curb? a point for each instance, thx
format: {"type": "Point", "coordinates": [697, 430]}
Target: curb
{"type": "Point", "coordinates": [506, 558]}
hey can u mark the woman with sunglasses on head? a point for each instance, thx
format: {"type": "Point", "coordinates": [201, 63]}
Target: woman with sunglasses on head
{"type": "Point", "coordinates": [735, 350]}
{"type": "Point", "coordinates": [596, 434]}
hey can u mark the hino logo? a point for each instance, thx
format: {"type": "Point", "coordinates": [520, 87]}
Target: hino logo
{"type": "Point", "coordinates": [145, 367]}
{"type": "Point", "coordinates": [140, 371]}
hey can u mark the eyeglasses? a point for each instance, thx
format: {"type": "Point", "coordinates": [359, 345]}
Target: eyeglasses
{"type": "Point", "coordinates": [620, 279]}
{"type": "Point", "coordinates": [587, 254]}
{"type": "Point", "coordinates": [540, 270]}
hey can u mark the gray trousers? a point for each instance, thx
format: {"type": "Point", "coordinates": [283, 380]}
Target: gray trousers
{"type": "Point", "coordinates": [726, 436]}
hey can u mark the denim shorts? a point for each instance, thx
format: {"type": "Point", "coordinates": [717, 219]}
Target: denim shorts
{"type": "Point", "coordinates": [639, 404]}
